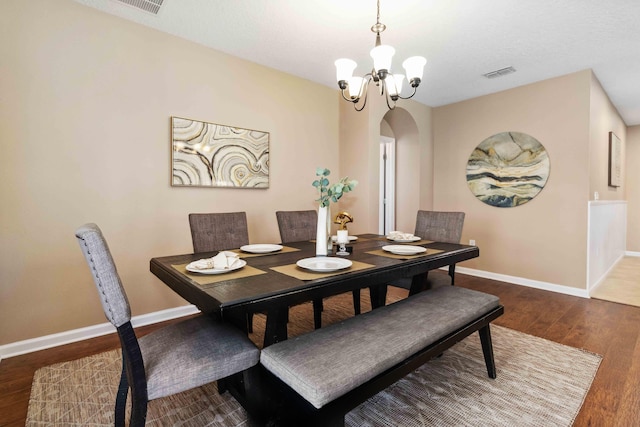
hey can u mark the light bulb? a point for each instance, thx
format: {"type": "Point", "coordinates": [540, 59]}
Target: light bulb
{"type": "Point", "coordinates": [355, 87]}
{"type": "Point", "coordinates": [382, 56]}
{"type": "Point", "coordinates": [394, 84]}
{"type": "Point", "coordinates": [344, 69]}
{"type": "Point", "coordinates": [414, 67]}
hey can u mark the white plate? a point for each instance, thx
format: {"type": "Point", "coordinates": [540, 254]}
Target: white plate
{"type": "Point", "coordinates": [241, 264]}
{"type": "Point", "coordinates": [263, 248]}
{"type": "Point", "coordinates": [351, 238]}
{"type": "Point", "coordinates": [324, 264]}
{"type": "Point", "coordinates": [404, 249]}
{"type": "Point", "coordinates": [413, 239]}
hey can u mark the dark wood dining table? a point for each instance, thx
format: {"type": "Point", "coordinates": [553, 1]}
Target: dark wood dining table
{"type": "Point", "coordinates": [271, 283]}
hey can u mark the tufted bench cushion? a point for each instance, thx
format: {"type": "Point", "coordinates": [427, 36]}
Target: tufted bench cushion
{"type": "Point", "coordinates": [329, 362]}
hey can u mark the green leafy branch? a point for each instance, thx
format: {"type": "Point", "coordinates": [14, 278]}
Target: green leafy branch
{"type": "Point", "coordinates": [331, 193]}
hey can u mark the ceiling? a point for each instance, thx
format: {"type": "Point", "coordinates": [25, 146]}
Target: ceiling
{"type": "Point", "coordinates": [461, 39]}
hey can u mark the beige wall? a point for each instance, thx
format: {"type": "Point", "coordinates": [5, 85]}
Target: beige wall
{"type": "Point", "coordinates": [86, 100]}
{"type": "Point", "coordinates": [85, 133]}
{"type": "Point", "coordinates": [633, 188]}
{"type": "Point", "coordinates": [545, 239]}
{"type": "Point", "coordinates": [604, 118]}
{"type": "Point", "coordinates": [359, 157]}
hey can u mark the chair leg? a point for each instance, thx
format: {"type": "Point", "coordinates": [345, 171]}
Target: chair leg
{"type": "Point", "coordinates": [487, 350]}
{"type": "Point", "coordinates": [317, 313]}
{"type": "Point", "coordinates": [356, 301]}
{"type": "Point", "coordinates": [121, 397]}
{"type": "Point", "coordinates": [452, 273]}
{"type": "Point", "coordinates": [134, 366]}
{"type": "Point", "coordinates": [138, 412]}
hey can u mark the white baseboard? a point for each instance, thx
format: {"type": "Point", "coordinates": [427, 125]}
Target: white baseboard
{"type": "Point", "coordinates": [54, 340]}
{"type": "Point", "coordinates": [48, 341]}
{"type": "Point", "coordinates": [631, 253]}
{"type": "Point", "coordinates": [525, 282]}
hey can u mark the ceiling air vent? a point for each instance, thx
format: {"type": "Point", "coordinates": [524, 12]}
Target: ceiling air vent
{"type": "Point", "coordinates": [151, 6]}
{"type": "Point", "coordinates": [499, 73]}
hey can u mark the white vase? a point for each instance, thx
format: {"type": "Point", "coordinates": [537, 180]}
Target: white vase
{"type": "Point", "coordinates": [323, 231]}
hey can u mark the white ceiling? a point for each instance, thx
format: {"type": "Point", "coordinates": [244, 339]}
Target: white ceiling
{"type": "Point", "coordinates": [461, 39]}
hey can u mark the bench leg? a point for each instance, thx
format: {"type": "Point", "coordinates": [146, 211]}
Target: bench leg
{"type": "Point", "coordinates": [487, 350]}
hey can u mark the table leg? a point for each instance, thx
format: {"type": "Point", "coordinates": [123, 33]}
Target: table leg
{"type": "Point", "coordinates": [356, 302]}
{"type": "Point", "coordinates": [276, 329]}
{"type": "Point", "coordinates": [238, 319]}
{"type": "Point", "coordinates": [418, 283]}
{"type": "Point", "coordinates": [378, 295]}
{"type": "Point", "coordinates": [317, 313]}
{"type": "Point", "coordinates": [248, 388]}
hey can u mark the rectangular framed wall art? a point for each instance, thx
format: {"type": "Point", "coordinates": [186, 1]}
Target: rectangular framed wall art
{"type": "Point", "coordinates": [211, 155]}
{"type": "Point", "coordinates": [615, 160]}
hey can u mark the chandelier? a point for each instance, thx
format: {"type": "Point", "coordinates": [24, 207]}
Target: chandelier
{"type": "Point", "coordinates": [354, 88]}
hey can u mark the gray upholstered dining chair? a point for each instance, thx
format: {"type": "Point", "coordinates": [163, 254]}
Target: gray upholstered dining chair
{"type": "Point", "coordinates": [169, 360]}
{"type": "Point", "coordinates": [439, 227]}
{"type": "Point", "coordinates": [298, 226]}
{"type": "Point", "coordinates": [218, 232]}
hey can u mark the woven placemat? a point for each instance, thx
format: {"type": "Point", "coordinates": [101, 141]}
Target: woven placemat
{"type": "Point", "coordinates": [294, 271]}
{"type": "Point", "coordinates": [380, 252]}
{"type": "Point", "coordinates": [207, 279]}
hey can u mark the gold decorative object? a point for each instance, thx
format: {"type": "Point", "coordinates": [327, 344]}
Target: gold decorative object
{"type": "Point", "coordinates": [342, 219]}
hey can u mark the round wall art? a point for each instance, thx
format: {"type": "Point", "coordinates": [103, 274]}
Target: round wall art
{"type": "Point", "coordinates": [508, 169]}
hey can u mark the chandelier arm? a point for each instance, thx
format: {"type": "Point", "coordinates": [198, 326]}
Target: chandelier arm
{"type": "Point", "coordinates": [346, 98]}
{"type": "Point", "coordinates": [387, 97]}
{"type": "Point", "coordinates": [364, 102]}
{"type": "Point", "coordinates": [415, 89]}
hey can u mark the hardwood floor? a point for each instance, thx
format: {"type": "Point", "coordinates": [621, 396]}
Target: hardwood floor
{"type": "Point", "coordinates": [609, 329]}
{"type": "Point", "coordinates": [621, 284]}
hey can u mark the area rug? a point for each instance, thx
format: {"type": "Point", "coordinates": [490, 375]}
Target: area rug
{"type": "Point", "coordinates": [539, 383]}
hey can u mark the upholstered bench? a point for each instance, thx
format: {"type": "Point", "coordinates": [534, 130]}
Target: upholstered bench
{"type": "Point", "coordinates": [326, 373]}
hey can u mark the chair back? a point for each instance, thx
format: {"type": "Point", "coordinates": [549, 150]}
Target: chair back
{"type": "Point", "coordinates": [297, 226]}
{"type": "Point", "coordinates": [112, 296]}
{"type": "Point", "coordinates": [218, 231]}
{"type": "Point", "coordinates": [440, 226]}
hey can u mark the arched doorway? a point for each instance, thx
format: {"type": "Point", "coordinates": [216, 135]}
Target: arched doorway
{"type": "Point", "coordinates": [398, 125]}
